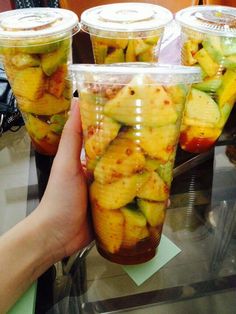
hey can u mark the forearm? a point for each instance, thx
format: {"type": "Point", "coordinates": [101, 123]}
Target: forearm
{"type": "Point", "coordinates": [24, 256]}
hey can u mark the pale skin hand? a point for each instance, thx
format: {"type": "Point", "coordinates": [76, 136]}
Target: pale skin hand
{"type": "Point", "coordinates": [57, 228]}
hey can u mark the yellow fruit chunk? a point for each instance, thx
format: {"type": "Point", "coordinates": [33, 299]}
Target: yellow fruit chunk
{"type": "Point", "coordinates": [189, 50]}
{"type": "Point", "coordinates": [91, 108]}
{"type": "Point", "coordinates": [165, 171]}
{"type": "Point", "coordinates": [140, 46]}
{"type": "Point", "coordinates": [36, 127]}
{"type": "Point", "coordinates": [201, 106]}
{"type": "Point", "coordinates": [130, 53]}
{"type": "Point", "coordinates": [100, 52]}
{"type": "Point", "coordinates": [29, 83]}
{"type": "Point", "coordinates": [52, 60]}
{"type": "Point", "coordinates": [225, 112]}
{"type": "Point", "coordinates": [157, 142]}
{"type": "Point", "coordinates": [135, 228]}
{"type": "Point", "coordinates": [122, 158]}
{"type": "Point", "coordinates": [152, 40]}
{"type": "Point", "coordinates": [115, 56]}
{"type": "Point", "coordinates": [147, 56]}
{"type": "Point", "coordinates": [57, 122]}
{"type": "Point", "coordinates": [109, 228]}
{"type": "Point", "coordinates": [116, 194]}
{"type": "Point", "coordinates": [57, 81]}
{"type": "Point", "coordinates": [46, 105]}
{"type": "Point", "coordinates": [10, 69]}
{"type": "Point", "coordinates": [227, 91]}
{"type": "Point", "coordinates": [142, 102]}
{"type": "Point", "coordinates": [178, 94]}
{"type": "Point", "coordinates": [110, 42]}
{"type": "Point", "coordinates": [36, 45]}
{"type": "Point", "coordinates": [154, 189]}
{"type": "Point", "coordinates": [153, 211]}
{"type": "Point", "coordinates": [98, 137]}
{"type": "Point", "coordinates": [207, 63]}
{"type": "Point", "coordinates": [23, 60]}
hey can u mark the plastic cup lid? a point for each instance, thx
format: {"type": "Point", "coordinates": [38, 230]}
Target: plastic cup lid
{"type": "Point", "coordinates": [36, 23]}
{"type": "Point", "coordinates": [162, 74]}
{"type": "Point", "coordinates": [125, 18]}
{"type": "Point", "coordinates": [215, 19]}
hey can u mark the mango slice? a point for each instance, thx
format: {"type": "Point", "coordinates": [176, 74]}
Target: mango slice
{"type": "Point", "coordinates": [227, 91]}
{"type": "Point", "coordinates": [153, 211]}
{"type": "Point", "coordinates": [207, 63]}
{"type": "Point", "coordinates": [141, 102]}
{"type": "Point", "coordinates": [154, 189]}
{"type": "Point", "coordinates": [38, 128]}
{"type": "Point", "coordinates": [135, 228]}
{"type": "Point", "coordinates": [122, 158]}
{"type": "Point", "coordinates": [57, 81]}
{"type": "Point", "coordinates": [116, 194]}
{"type": "Point", "coordinates": [47, 105]}
{"type": "Point", "coordinates": [200, 106]}
{"type": "Point", "coordinates": [99, 136]}
{"type": "Point", "coordinates": [52, 60]}
{"type": "Point", "coordinates": [109, 228]}
{"type": "Point", "coordinates": [29, 83]}
{"type": "Point", "coordinates": [157, 142]}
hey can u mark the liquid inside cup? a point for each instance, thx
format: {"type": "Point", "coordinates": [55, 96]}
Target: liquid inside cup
{"type": "Point", "coordinates": [210, 45]}
{"type": "Point", "coordinates": [127, 32]}
{"type": "Point", "coordinates": [131, 126]}
{"type": "Point", "coordinates": [37, 69]}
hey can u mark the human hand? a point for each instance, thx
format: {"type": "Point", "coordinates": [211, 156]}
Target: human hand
{"type": "Point", "coordinates": [63, 208]}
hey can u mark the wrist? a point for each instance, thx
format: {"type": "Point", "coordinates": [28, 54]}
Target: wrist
{"type": "Point", "coordinates": [24, 253]}
{"type": "Point", "coordinates": [51, 248]}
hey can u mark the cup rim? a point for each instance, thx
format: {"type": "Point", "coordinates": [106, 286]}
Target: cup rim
{"type": "Point", "coordinates": [163, 74]}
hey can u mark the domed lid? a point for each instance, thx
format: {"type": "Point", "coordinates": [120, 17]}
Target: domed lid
{"type": "Point", "coordinates": [125, 18]}
{"type": "Point", "coordinates": [217, 20]}
{"type": "Point", "coordinates": [33, 23]}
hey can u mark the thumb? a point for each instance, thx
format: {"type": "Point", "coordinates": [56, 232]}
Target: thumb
{"type": "Point", "coordinates": [71, 139]}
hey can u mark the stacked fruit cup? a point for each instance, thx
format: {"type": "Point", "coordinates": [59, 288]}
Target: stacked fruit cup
{"type": "Point", "coordinates": [208, 42]}
{"type": "Point", "coordinates": [35, 45]}
{"type": "Point", "coordinates": [131, 116]}
{"type": "Point", "coordinates": [126, 32]}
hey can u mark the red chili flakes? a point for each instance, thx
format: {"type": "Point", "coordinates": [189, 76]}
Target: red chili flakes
{"type": "Point", "coordinates": [170, 148]}
{"type": "Point", "coordinates": [128, 151]}
{"type": "Point", "coordinates": [91, 130]}
{"type": "Point", "coordinates": [116, 174]}
{"type": "Point", "coordinates": [166, 189]}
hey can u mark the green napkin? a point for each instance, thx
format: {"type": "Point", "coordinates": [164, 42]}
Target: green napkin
{"type": "Point", "coordinates": [166, 251]}
{"type": "Point", "coordinates": [26, 304]}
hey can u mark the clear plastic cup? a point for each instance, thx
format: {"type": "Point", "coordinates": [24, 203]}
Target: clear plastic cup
{"type": "Point", "coordinates": [35, 48]}
{"type": "Point", "coordinates": [131, 115]}
{"type": "Point", "coordinates": [125, 32]}
{"type": "Point", "coordinates": [208, 42]}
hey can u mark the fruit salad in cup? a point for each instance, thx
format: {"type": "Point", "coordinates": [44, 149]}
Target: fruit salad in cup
{"type": "Point", "coordinates": [37, 69]}
{"type": "Point", "coordinates": [110, 50]}
{"type": "Point", "coordinates": [131, 127]}
{"type": "Point", "coordinates": [208, 42]}
{"type": "Point", "coordinates": [127, 32]}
